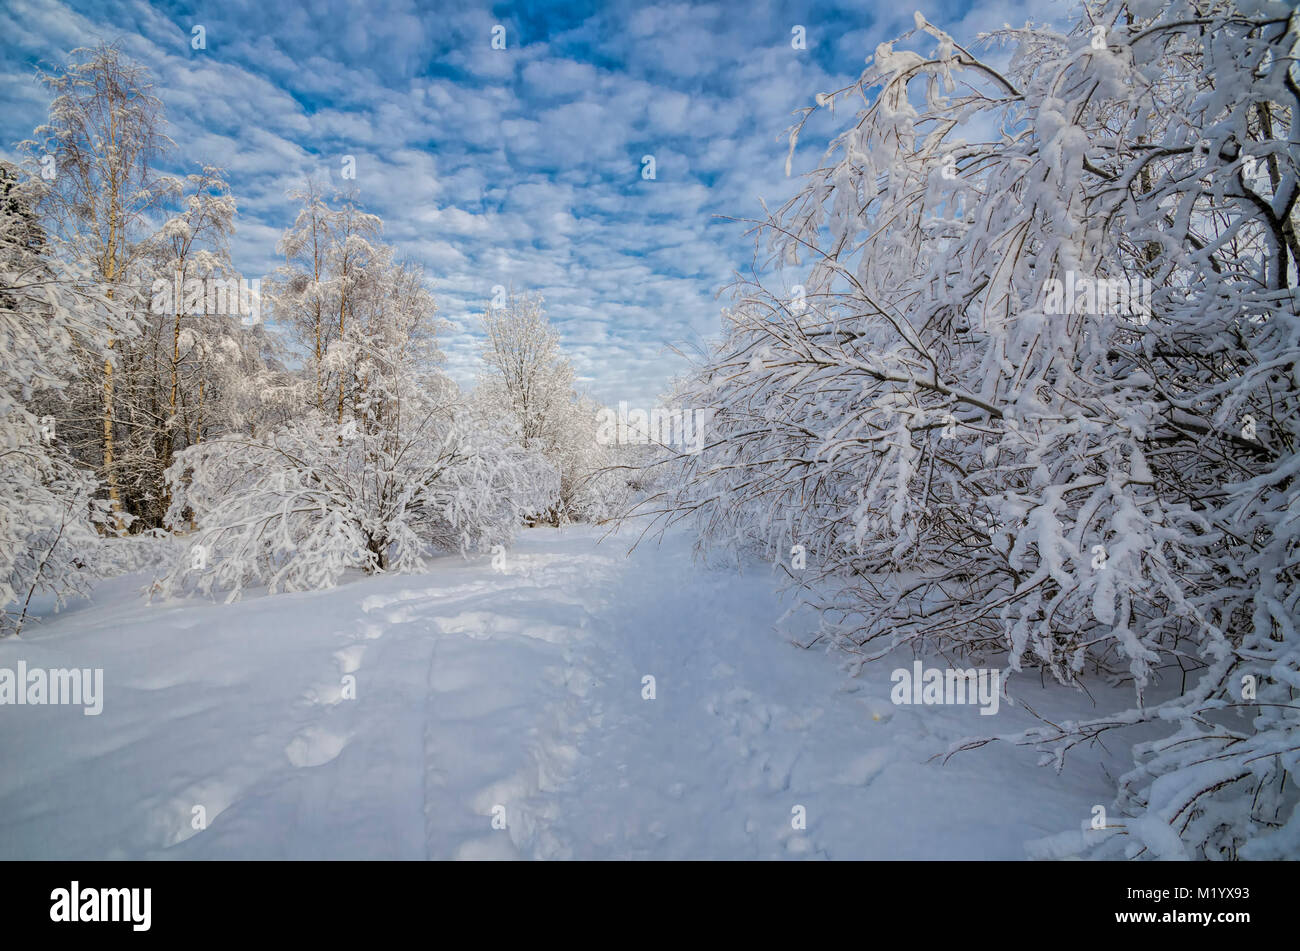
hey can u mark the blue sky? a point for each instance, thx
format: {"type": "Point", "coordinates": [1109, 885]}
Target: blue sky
{"type": "Point", "coordinates": [492, 166]}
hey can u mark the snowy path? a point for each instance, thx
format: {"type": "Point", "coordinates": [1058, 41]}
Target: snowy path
{"type": "Point", "coordinates": [514, 695]}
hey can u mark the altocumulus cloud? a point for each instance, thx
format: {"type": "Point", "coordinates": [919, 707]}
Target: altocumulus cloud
{"type": "Point", "coordinates": [521, 165]}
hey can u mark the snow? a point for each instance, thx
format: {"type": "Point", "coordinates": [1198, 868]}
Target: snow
{"type": "Point", "coordinates": [962, 455]}
{"type": "Point", "coordinates": [478, 688]}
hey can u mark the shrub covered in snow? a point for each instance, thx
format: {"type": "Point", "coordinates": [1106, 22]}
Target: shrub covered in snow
{"type": "Point", "coordinates": [1032, 388]}
{"type": "Point", "coordinates": [298, 506]}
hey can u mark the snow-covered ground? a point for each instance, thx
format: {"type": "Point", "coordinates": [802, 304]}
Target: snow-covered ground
{"type": "Point", "coordinates": [521, 689]}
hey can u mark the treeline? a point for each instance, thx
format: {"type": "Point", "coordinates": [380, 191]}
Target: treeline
{"type": "Point", "coordinates": [144, 393]}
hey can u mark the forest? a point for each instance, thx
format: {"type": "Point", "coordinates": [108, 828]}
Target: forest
{"type": "Point", "coordinates": [1013, 385]}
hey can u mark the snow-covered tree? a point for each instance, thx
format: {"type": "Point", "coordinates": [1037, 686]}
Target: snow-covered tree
{"type": "Point", "coordinates": [411, 468]}
{"type": "Point", "coordinates": [196, 316]}
{"type": "Point", "coordinates": [297, 291]}
{"type": "Point", "coordinates": [592, 487]}
{"type": "Point", "coordinates": [356, 266]}
{"type": "Point", "coordinates": [182, 349]}
{"type": "Point", "coordinates": [192, 245]}
{"type": "Point", "coordinates": [93, 160]}
{"type": "Point", "coordinates": [528, 379]}
{"type": "Point", "coordinates": [1031, 389]}
{"type": "Point", "coordinates": [524, 363]}
{"type": "Point", "coordinates": [334, 269]}
{"type": "Point", "coordinates": [48, 515]}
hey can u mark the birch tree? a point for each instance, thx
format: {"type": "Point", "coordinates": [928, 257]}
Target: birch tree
{"type": "Point", "coordinates": [101, 139]}
{"type": "Point", "coordinates": [297, 291]}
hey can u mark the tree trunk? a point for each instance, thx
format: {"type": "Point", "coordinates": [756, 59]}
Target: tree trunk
{"type": "Point", "coordinates": [110, 475]}
{"type": "Point", "coordinates": [378, 549]}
